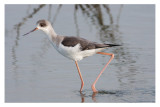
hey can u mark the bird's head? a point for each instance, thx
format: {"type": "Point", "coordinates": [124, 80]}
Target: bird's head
{"type": "Point", "coordinates": [43, 25]}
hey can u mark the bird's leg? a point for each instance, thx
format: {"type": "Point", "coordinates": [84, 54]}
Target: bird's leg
{"type": "Point", "coordinates": [82, 83]}
{"type": "Point", "coordinates": [103, 53]}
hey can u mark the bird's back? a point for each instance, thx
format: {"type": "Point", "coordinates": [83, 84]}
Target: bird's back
{"type": "Point", "coordinates": [76, 48]}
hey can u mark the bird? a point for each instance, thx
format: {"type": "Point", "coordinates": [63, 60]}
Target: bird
{"type": "Point", "coordinates": [74, 48]}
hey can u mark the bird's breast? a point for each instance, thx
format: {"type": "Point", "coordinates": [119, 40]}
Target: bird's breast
{"type": "Point", "coordinates": [70, 52]}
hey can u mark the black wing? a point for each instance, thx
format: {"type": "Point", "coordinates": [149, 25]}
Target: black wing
{"type": "Point", "coordinates": [85, 44]}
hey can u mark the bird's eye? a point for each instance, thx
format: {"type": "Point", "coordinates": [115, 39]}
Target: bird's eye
{"type": "Point", "coordinates": [42, 24]}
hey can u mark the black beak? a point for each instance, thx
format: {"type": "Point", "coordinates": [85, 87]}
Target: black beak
{"type": "Point", "coordinates": [31, 31]}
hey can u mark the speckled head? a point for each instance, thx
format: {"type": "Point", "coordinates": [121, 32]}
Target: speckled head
{"type": "Point", "coordinates": [45, 26]}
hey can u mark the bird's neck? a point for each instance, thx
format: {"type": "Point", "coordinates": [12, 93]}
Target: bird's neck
{"type": "Point", "coordinates": [52, 34]}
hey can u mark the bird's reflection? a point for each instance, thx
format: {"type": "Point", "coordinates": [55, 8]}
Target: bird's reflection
{"type": "Point", "coordinates": [94, 96]}
{"type": "Point", "coordinates": [83, 95]}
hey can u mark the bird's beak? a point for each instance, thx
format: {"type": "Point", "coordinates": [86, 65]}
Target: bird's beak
{"type": "Point", "coordinates": [31, 31]}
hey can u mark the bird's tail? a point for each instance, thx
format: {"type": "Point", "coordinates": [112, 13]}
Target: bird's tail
{"type": "Point", "coordinates": [111, 45]}
{"type": "Point", "coordinates": [105, 45]}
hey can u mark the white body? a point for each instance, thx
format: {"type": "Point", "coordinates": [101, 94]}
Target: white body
{"type": "Point", "coordinates": [74, 53]}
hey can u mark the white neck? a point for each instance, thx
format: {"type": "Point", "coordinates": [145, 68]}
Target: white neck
{"type": "Point", "coordinates": [51, 34]}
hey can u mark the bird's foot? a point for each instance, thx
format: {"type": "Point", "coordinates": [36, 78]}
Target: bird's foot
{"type": "Point", "coordinates": [94, 89]}
{"type": "Point", "coordinates": [82, 84]}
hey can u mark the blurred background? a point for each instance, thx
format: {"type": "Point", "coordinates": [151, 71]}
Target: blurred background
{"type": "Point", "coordinates": [36, 72]}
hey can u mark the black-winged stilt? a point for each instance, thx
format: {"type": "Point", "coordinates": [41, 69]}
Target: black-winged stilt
{"type": "Point", "coordinates": [74, 48]}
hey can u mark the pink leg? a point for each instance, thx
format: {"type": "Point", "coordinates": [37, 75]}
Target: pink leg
{"type": "Point", "coordinates": [82, 83]}
{"type": "Point", "coordinates": [103, 53]}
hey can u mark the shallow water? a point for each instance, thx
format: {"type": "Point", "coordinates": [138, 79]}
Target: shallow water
{"type": "Point", "coordinates": [36, 72]}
